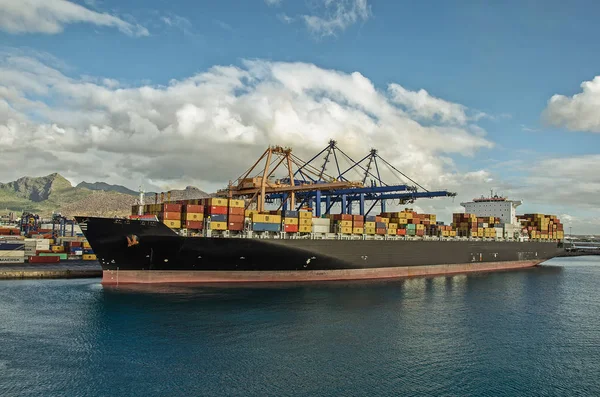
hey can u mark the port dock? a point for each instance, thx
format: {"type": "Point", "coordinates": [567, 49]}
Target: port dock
{"type": "Point", "coordinates": [67, 269]}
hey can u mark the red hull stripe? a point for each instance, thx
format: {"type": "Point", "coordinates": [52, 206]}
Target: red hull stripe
{"type": "Point", "coordinates": [111, 277]}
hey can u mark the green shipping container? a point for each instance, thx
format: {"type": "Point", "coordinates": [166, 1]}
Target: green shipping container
{"type": "Point", "coordinates": [63, 257]}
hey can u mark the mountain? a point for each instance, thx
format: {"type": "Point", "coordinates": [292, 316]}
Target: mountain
{"type": "Point", "coordinates": [53, 193]}
{"type": "Point", "coordinates": [107, 188]}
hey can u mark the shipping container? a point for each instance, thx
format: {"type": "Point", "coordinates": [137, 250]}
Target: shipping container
{"type": "Point", "coordinates": [194, 225]}
{"type": "Point", "coordinates": [266, 227]}
{"type": "Point", "coordinates": [304, 228]}
{"type": "Point", "coordinates": [193, 216]}
{"type": "Point", "coordinates": [218, 217]}
{"type": "Point", "coordinates": [172, 224]}
{"type": "Point", "coordinates": [290, 221]}
{"type": "Point", "coordinates": [236, 211]}
{"type": "Point", "coordinates": [291, 228]}
{"type": "Point", "coordinates": [218, 225]}
{"type": "Point", "coordinates": [216, 202]}
{"type": "Point", "coordinates": [304, 215]}
{"type": "Point", "coordinates": [306, 221]}
{"type": "Point", "coordinates": [290, 214]}
{"type": "Point", "coordinates": [216, 210]}
{"type": "Point", "coordinates": [171, 216]}
{"type": "Point", "coordinates": [171, 208]}
{"type": "Point", "coordinates": [235, 226]}
{"type": "Point", "coordinates": [89, 257]}
{"type": "Point", "coordinates": [43, 259]}
{"type": "Point", "coordinates": [193, 208]}
{"type": "Point", "coordinates": [316, 228]}
{"type": "Point", "coordinates": [358, 230]}
{"type": "Point", "coordinates": [235, 203]}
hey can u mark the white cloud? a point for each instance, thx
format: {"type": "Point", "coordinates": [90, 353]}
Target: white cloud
{"type": "Point", "coordinates": [273, 2]}
{"type": "Point", "coordinates": [208, 128]}
{"type": "Point", "coordinates": [336, 15]}
{"type": "Point", "coordinates": [50, 16]}
{"type": "Point", "coordinates": [579, 112]}
{"type": "Point", "coordinates": [422, 105]}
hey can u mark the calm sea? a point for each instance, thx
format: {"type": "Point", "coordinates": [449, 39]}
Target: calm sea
{"type": "Point", "coordinates": [533, 332]}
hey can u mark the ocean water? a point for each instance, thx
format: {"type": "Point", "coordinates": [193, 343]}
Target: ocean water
{"type": "Point", "coordinates": [533, 332]}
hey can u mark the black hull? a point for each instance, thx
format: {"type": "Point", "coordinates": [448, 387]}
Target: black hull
{"type": "Point", "coordinates": [132, 245]}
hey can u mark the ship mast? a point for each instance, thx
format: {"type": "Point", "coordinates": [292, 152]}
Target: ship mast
{"type": "Point", "coordinates": [141, 203]}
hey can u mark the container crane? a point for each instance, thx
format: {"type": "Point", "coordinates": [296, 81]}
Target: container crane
{"type": "Point", "coordinates": [260, 187]}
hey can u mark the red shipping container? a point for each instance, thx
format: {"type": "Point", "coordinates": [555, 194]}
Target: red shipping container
{"type": "Point", "coordinates": [236, 211]}
{"type": "Point", "coordinates": [171, 207]}
{"type": "Point", "coordinates": [420, 232]}
{"type": "Point", "coordinates": [358, 218]}
{"type": "Point", "coordinates": [378, 219]}
{"type": "Point", "coordinates": [194, 208]}
{"type": "Point", "coordinates": [170, 216]}
{"type": "Point", "coordinates": [358, 224]}
{"type": "Point", "coordinates": [235, 226]}
{"type": "Point", "coordinates": [236, 218]}
{"type": "Point", "coordinates": [291, 228]}
{"type": "Point", "coordinates": [216, 210]}
{"type": "Point", "coordinates": [401, 232]}
{"type": "Point", "coordinates": [75, 243]}
{"type": "Point", "coordinates": [342, 217]}
{"type": "Point", "coordinates": [44, 259]}
{"type": "Point", "coordinates": [194, 225]}
{"type": "Point", "coordinates": [380, 231]}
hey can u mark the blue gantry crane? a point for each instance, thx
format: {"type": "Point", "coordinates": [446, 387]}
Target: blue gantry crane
{"type": "Point", "coordinates": [376, 191]}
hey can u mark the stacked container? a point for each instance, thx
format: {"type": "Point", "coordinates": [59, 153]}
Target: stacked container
{"type": "Point", "coordinates": [217, 210]}
{"type": "Point", "coordinates": [192, 216]}
{"type": "Point", "coordinates": [291, 221]}
{"type": "Point", "coordinates": [320, 225]}
{"type": "Point", "coordinates": [358, 224]}
{"type": "Point", "coordinates": [305, 221]}
{"type": "Point", "coordinates": [542, 227]}
{"type": "Point", "coordinates": [12, 251]}
{"type": "Point", "coordinates": [266, 222]}
{"type": "Point", "coordinates": [170, 215]}
{"type": "Point", "coordinates": [342, 223]}
{"type": "Point", "coordinates": [370, 222]}
{"type": "Point", "coordinates": [235, 215]}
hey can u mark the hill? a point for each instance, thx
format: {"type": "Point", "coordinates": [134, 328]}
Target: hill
{"type": "Point", "coordinates": [105, 187]}
{"type": "Point", "coordinates": [53, 193]}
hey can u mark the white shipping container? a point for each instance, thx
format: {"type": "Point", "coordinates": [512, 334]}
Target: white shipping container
{"type": "Point", "coordinates": [499, 232]}
{"type": "Point", "coordinates": [12, 254]}
{"type": "Point", "coordinates": [321, 222]}
{"type": "Point", "coordinates": [78, 252]}
{"type": "Point", "coordinates": [4, 260]}
{"type": "Point", "coordinates": [320, 229]}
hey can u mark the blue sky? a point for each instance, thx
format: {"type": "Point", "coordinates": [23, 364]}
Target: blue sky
{"type": "Point", "coordinates": [506, 60]}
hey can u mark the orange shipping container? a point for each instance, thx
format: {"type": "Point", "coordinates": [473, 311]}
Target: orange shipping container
{"type": "Point", "coordinates": [236, 211]}
{"type": "Point", "coordinates": [195, 208]}
{"type": "Point", "coordinates": [236, 219]}
{"type": "Point", "coordinates": [172, 216]}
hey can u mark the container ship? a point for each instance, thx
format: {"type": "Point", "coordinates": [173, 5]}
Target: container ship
{"type": "Point", "coordinates": [233, 238]}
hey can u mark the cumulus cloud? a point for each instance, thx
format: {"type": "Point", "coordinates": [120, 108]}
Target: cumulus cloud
{"type": "Point", "coordinates": [208, 128]}
{"type": "Point", "coordinates": [578, 112]}
{"type": "Point", "coordinates": [336, 15]}
{"type": "Point", "coordinates": [50, 17]}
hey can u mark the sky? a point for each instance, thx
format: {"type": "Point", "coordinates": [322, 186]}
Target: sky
{"type": "Point", "coordinates": [459, 96]}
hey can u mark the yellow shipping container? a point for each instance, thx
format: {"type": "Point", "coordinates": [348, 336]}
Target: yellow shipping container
{"type": "Point", "coordinates": [236, 203]}
{"type": "Point", "coordinates": [172, 224]}
{"type": "Point", "coordinates": [89, 257]}
{"type": "Point", "coordinates": [304, 229]}
{"type": "Point", "coordinates": [305, 221]}
{"type": "Point", "coordinates": [385, 220]}
{"type": "Point", "coordinates": [250, 213]}
{"type": "Point", "coordinates": [392, 225]}
{"type": "Point", "coordinates": [290, 221]}
{"type": "Point", "coordinates": [369, 230]}
{"type": "Point", "coordinates": [218, 226]}
{"type": "Point", "coordinates": [304, 214]}
{"type": "Point", "coordinates": [58, 248]}
{"type": "Point", "coordinates": [392, 231]}
{"type": "Point", "coordinates": [86, 245]}
{"type": "Point", "coordinates": [193, 216]}
{"type": "Point", "coordinates": [402, 221]}
{"type": "Point", "coordinates": [432, 218]}
{"type": "Point", "coordinates": [452, 233]}
{"type": "Point", "coordinates": [473, 234]}
{"type": "Point", "coordinates": [217, 202]}
{"type": "Point", "coordinates": [370, 225]}
{"type": "Point", "coordinates": [358, 230]}
{"type": "Point", "coordinates": [344, 223]}
{"type": "Point", "coordinates": [346, 230]}
{"type": "Point", "coordinates": [420, 227]}
{"type": "Point", "coordinates": [445, 233]}
{"type": "Point", "coordinates": [408, 215]}
{"type": "Point", "coordinates": [266, 218]}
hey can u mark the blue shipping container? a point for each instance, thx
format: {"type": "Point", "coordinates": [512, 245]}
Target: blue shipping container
{"type": "Point", "coordinates": [10, 246]}
{"type": "Point", "coordinates": [88, 251]}
{"type": "Point", "coordinates": [380, 225]}
{"type": "Point", "coordinates": [218, 218]}
{"type": "Point", "coordinates": [266, 227]}
{"type": "Point", "coordinates": [370, 218]}
{"type": "Point", "coordinates": [290, 214]}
